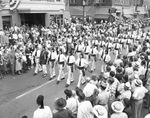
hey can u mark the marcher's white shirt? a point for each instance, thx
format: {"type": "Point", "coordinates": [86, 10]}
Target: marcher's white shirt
{"type": "Point", "coordinates": [85, 110]}
{"type": "Point", "coordinates": [89, 89]}
{"type": "Point", "coordinates": [72, 104]}
{"type": "Point", "coordinates": [43, 113]}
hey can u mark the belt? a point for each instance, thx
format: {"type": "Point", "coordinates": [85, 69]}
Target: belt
{"type": "Point", "coordinates": [79, 51]}
{"type": "Point", "coordinates": [93, 55]}
{"type": "Point", "coordinates": [70, 64]}
{"type": "Point", "coordinates": [81, 68]}
{"type": "Point", "coordinates": [61, 62]}
{"type": "Point", "coordinates": [86, 53]}
{"type": "Point", "coordinates": [52, 60]}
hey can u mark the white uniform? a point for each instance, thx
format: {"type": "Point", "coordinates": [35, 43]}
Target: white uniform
{"type": "Point", "coordinates": [61, 62]}
{"type": "Point", "coordinates": [38, 67]}
{"type": "Point", "coordinates": [70, 64]}
{"type": "Point", "coordinates": [52, 58]}
{"type": "Point", "coordinates": [81, 63]}
{"type": "Point", "coordinates": [94, 53]}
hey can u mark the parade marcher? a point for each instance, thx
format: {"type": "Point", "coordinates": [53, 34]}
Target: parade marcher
{"type": "Point", "coordinates": [44, 60]}
{"type": "Point", "coordinates": [81, 64]}
{"type": "Point", "coordinates": [70, 67]}
{"type": "Point", "coordinates": [94, 53]}
{"type": "Point", "coordinates": [106, 60]}
{"type": "Point", "coordinates": [36, 54]}
{"type": "Point", "coordinates": [79, 49]}
{"type": "Point", "coordinates": [52, 59]}
{"type": "Point", "coordinates": [61, 59]}
{"type": "Point", "coordinates": [87, 50]}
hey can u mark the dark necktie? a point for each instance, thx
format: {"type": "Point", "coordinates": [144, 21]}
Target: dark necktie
{"type": "Point", "coordinates": [92, 51]}
{"type": "Point", "coordinates": [105, 58]}
{"type": "Point", "coordinates": [36, 53]}
{"type": "Point", "coordinates": [68, 59]}
{"type": "Point", "coordinates": [50, 56]}
{"type": "Point", "coordinates": [80, 62]}
{"type": "Point", "coordinates": [85, 48]}
{"type": "Point", "coordinates": [59, 58]}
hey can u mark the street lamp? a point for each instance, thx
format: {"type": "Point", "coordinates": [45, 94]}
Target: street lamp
{"type": "Point", "coordinates": [83, 10]}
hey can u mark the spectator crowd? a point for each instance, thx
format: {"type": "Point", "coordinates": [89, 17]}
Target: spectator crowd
{"type": "Point", "coordinates": [120, 90]}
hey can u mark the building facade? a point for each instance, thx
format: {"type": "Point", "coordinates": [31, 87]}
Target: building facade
{"type": "Point", "coordinates": [31, 12]}
{"type": "Point", "coordinates": [102, 9]}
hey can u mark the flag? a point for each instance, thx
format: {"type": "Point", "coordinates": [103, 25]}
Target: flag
{"type": "Point", "coordinates": [14, 4]}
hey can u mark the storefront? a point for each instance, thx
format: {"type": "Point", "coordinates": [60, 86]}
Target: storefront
{"type": "Point", "coordinates": [34, 13]}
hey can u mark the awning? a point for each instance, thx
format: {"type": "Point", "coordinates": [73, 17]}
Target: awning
{"type": "Point", "coordinates": [128, 16]}
{"type": "Point", "coordinates": [101, 16]}
{"type": "Point", "coordinates": [31, 7]}
{"type": "Point", "coordinates": [78, 10]}
{"type": "Point", "coordinates": [141, 10]}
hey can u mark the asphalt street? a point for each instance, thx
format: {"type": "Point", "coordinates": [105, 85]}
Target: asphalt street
{"type": "Point", "coordinates": [18, 94]}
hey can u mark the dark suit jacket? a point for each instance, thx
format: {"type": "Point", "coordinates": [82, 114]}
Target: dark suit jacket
{"type": "Point", "coordinates": [43, 57]}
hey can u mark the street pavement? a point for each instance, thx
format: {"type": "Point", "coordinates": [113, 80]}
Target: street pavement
{"type": "Point", "coordinates": [18, 93]}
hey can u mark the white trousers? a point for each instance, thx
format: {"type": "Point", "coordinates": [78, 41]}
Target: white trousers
{"type": "Point", "coordinates": [93, 63]}
{"type": "Point", "coordinates": [61, 72]}
{"type": "Point", "coordinates": [52, 69]}
{"type": "Point", "coordinates": [81, 78]}
{"type": "Point", "coordinates": [38, 66]}
{"type": "Point", "coordinates": [70, 75]}
{"type": "Point", "coordinates": [44, 68]}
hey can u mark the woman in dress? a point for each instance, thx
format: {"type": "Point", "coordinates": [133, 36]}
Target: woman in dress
{"type": "Point", "coordinates": [18, 62]}
{"type": "Point", "coordinates": [5, 61]}
{"type": "Point", "coordinates": [1, 66]}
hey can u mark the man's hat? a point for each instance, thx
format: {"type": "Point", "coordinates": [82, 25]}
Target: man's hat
{"type": "Point", "coordinates": [138, 82]}
{"type": "Point", "coordinates": [100, 111]}
{"type": "Point", "coordinates": [60, 103]}
{"type": "Point", "coordinates": [117, 106]}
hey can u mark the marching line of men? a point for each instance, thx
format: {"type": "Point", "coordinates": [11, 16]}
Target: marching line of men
{"type": "Point", "coordinates": [85, 53]}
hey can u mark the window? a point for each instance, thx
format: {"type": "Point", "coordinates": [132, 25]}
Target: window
{"type": "Point", "coordinates": [73, 1]}
{"type": "Point", "coordinates": [58, 0]}
{"type": "Point", "coordinates": [103, 1]}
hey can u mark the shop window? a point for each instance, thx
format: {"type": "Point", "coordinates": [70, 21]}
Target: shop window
{"type": "Point", "coordinates": [73, 1]}
{"type": "Point", "coordinates": [58, 0]}
{"type": "Point", "coordinates": [6, 21]}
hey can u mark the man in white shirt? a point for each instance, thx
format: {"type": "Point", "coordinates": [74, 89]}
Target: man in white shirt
{"type": "Point", "coordinates": [37, 54]}
{"type": "Point", "coordinates": [94, 53]}
{"type": "Point", "coordinates": [52, 59]}
{"type": "Point", "coordinates": [70, 64]}
{"type": "Point", "coordinates": [85, 109]}
{"type": "Point", "coordinates": [61, 59]}
{"type": "Point", "coordinates": [81, 64]}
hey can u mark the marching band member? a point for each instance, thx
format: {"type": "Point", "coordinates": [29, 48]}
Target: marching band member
{"type": "Point", "coordinates": [51, 59]}
{"type": "Point", "coordinates": [106, 59]}
{"type": "Point", "coordinates": [116, 49]}
{"type": "Point", "coordinates": [37, 54]}
{"type": "Point", "coordinates": [43, 60]}
{"type": "Point", "coordinates": [81, 64]}
{"type": "Point", "coordinates": [94, 53]}
{"type": "Point", "coordinates": [70, 63]}
{"type": "Point", "coordinates": [87, 50]}
{"type": "Point", "coordinates": [79, 49]}
{"type": "Point", "coordinates": [61, 59]}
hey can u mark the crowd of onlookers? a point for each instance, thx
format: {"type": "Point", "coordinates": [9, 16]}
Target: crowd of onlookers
{"type": "Point", "coordinates": [120, 90]}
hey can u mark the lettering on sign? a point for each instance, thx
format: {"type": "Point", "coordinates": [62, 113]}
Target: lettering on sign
{"type": "Point", "coordinates": [121, 2]}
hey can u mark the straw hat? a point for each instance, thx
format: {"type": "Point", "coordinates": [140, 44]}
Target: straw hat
{"type": "Point", "coordinates": [138, 82]}
{"type": "Point", "coordinates": [100, 111]}
{"type": "Point", "coordinates": [117, 106]}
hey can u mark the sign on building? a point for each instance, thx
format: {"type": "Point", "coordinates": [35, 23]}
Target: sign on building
{"type": "Point", "coordinates": [122, 2]}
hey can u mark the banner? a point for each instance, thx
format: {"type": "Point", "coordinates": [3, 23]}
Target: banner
{"type": "Point", "coordinates": [14, 4]}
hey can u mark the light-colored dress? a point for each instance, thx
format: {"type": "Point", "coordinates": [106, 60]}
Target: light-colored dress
{"type": "Point", "coordinates": [18, 62]}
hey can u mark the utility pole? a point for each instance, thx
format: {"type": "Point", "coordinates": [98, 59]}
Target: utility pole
{"type": "Point", "coordinates": [83, 11]}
